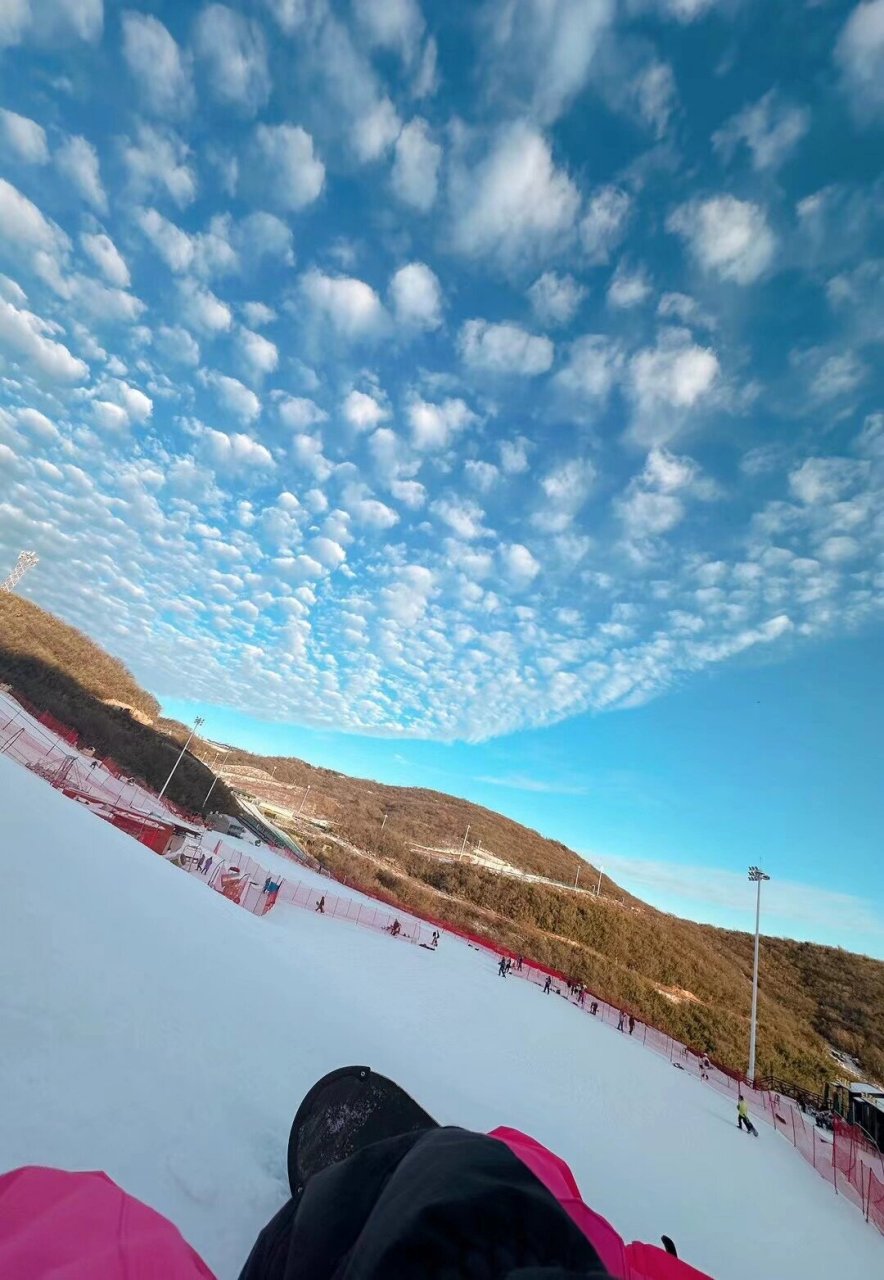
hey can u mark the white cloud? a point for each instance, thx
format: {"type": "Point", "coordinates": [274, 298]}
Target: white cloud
{"type": "Point", "coordinates": [235, 451]}
{"type": "Point", "coordinates": [158, 66]}
{"type": "Point", "coordinates": [481, 475]}
{"type": "Point", "coordinates": [178, 345]}
{"type": "Point", "coordinates": [667, 471]}
{"type": "Point", "coordinates": [838, 375]}
{"type": "Point", "coordinates": [839, 548]}
{"type": "Point", "coordinates": [433, 426]}
{"type": "Point", "coordinates": [263, 235]}
{"type": "Point", "coordinates": [259, 355]}
{"type": "Point", "coordinates": [376, 131]}
{"type": "Point", "coordinates": [24, 225]}
{"type": "Point", "coordinates": [157, 161]}
{"type": "Point", "coordinates": [38, 424]}
{"type": "Point", "coordinates": [519, 565]}
{"type": "Point", "coordinates": [504, 348]}
{"type": "Point", "coordinates": [258, 313]}
{"type": "Point", "coordinates": [50, 21]}
{"type": "Point", "coordinates": [107, 257]}
{"type": "Point", "coordinates": [824, 480]}
{"type": "Point", "coordinates": [362, 411]}
{"type": "Point", "coordinates": [109, 416]}
{"type": "Point", "coordinates": [285, 165]}
{"type": "Point", "coordinates": [566, 489]}
{"type": "Point", "coordinates": [397, 25]}
{"type": "Point", "coordinates": [350, 305]}
{"type": "Point", "coordinates": [646, 514]}
{"type": "Point", "coordinates": [411, 493]}
{"type": "Point", "coordinates": [771, 128]}
{"type": "Point", "coordinates": [514, 456]}
{"type": "Point", "coordinates": [603, 226]}
{"type": "Point", "coordinates": [367, 510]}
{"type": "Point", "coordinates": [685, 10]}
{"type": "Point", "coordinates": [514, 207]}
{"type": "Point", "coordinates": [859, 55]}
{"type": "Point", "coordinates": [725, 235]}
{"type": "Point", "coordinates": [555, 299]}
{"type": "Point", "coordinates": [137, 406]}
{"type": "Point", "coordinates": [676, 374]}
{"type": "Point", "coordinates": [463, 516]}
{"type": "Point", "coordinates": [23, 137]}
{"type": "Point", "coordinates": [233, 51]}
{"type": "Point", "coordinates": [234, 395]}
{"type": "Point", "coordinates": [329, 553]}
{"type": "Point", "coordinates": [629, 286]}
{"type": "Point", "coordinates": [543, 50]}
{"type": "Point", "coordinates": [175, 247]}
{"type": "Point", "coordinates": [416, 297]}
{"type": "Point", "coordinates": [25, 336]}
{"type": "Point", "coordinates": [652, 90]}
{"type": "Point", "coordinates": [201, 308]}
{"type": "Point", "coordinates": [297, 412]}
{"type": "Point", "coordinates": [77, 160]}
{"type": "Point", "coordinates": [416, 166]}
{"type": "Point", "coordinates": [290, 14]}
{"type": "Point", "coordinates": [592, 369]}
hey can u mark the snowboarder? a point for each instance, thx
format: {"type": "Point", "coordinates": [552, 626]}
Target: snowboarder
{"type": "Point", "coordinates": [501, 968]}
{"type": "Point", "coordinates": [377, 1188]}
{"type": "Point", "coordinates": [395, 929]}
{"type": "Point", "coordinates": [621, 1020]}
{"type": "Point", "coordinates": [206, 865]}
{"type": "Point", "coordinates": [705, 1065]}
{"type": "Point", "coordinates": [436, 936]}
{"type": "Point", "coordinates": [631, 1023]}
{"type": "Point", "coordinates": [581, 996]}
{"type": "Point", "coordinates": [547, 985]}
{"type": "Point", "coordinates": [320, 906]}
{"type": "Point", "coordinates": [519, 964]}
{"type": "Point", "coordinates": [594, 1008]}
{"type": "Point", "coordinates": [743, 1116]}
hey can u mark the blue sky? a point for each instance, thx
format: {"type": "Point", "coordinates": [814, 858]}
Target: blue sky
{"type": "Point", "coordinates": [485, 396]}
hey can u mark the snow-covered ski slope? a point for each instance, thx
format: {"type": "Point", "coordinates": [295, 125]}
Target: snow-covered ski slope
{"type": "Point", "coordinates": [151, 1028]}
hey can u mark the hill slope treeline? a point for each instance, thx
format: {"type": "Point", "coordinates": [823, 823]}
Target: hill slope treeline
{"type": "Point", "coordinates": [692, 980]}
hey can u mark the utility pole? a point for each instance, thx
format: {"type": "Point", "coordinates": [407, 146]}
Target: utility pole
{"type": "Point", "coordinates": [215, 779]}
{"type": "Point", "coordinates": [384, 823]}
{"type": "Point", "coordinates": [577, 877]}
{"type": "Point", "coordinates": [598, 888]}
{"type": "Point", "coordinates": [464, 845]}
{"type": "Point", "coordinates": [196, 724]}
{"type": "Point", "coordinates": [756, 875]}
{"type": "Point", "coordinates": [301, 805]}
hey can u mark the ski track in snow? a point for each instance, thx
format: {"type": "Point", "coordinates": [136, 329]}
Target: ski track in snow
{"type": "Point", "coordinates": [152, 1029]}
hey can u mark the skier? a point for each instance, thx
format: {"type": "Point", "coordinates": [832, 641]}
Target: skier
{"type": "Point", "coordinates": [594, 1008]}
{"type": "Point", "coordinates": [206, 865]}
{"type": "Point", "coordinates": [320, 906]}
{"type": "Point", "coordinates": [631, 1023]}
{"type": "Point", "coordinates": [621, 1020]}
{"type": "Point", "coordinates": [705, 1065]}
{"type": "Point", "coordinates": [395, 929]}
{"type": "Point", "coordinates": [501, 968]}
{"type": "Point", "coordinates": [547, 985]}
{"type": "Point", "coordinates": [378, 1189]}
{"type": "Point", "coordinates": [743, 1116]}
{"type": "Point", "coordinates": [519, 964]}
{"type": "Point", "coordinates": [436, 936]}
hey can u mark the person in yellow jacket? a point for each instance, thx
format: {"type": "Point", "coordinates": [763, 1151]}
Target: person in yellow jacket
{"type": "Point", "coordinates": [743, 1116]}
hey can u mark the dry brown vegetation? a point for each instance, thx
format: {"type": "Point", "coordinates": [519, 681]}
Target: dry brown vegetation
{"type": "Point", "coordinates": [626, 951]}
{"type": "Point", "coordinates": [60, 670]}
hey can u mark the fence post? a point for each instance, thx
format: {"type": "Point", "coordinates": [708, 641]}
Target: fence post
{"type": "Point", "coordinates": [794, 1138]}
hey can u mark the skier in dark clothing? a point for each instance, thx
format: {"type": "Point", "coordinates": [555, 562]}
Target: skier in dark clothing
{"type": "Point", "coordinates": [519, 964]}
{"type": "Point", "coordinates": [501, 968]}
{"type": "Point", "coordinates": [621, 1020]}
{"type": "Point", "coordinates": [594, 1008]}
{"type": "Point", "coordinates": [631, 1023]}
{"type": "Point", "coordinates": [547, 985]}
{"type": "Point", "coordinates": [320, 906]}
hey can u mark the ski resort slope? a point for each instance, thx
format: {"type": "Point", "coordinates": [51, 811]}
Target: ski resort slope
{"type": "Point", "coordinates": [152, 1029]}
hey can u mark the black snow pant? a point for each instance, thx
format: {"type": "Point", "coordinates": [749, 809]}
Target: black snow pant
{"type": "Point", "coordinates": [744, 1120]}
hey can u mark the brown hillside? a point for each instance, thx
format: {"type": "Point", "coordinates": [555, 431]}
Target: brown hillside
{"type": "Point", "coordinates": [692, 980]}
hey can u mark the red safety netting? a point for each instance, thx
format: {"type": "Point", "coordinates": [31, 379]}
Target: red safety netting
{"type": "Point", "coordinates": [845, 1157]}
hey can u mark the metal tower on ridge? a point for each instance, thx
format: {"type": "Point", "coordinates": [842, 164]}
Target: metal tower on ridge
{"type": "Point", "coordinates": [25, 561]}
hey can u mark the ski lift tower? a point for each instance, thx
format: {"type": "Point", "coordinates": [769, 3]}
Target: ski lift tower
{"type": "Point", "coordinates": [25, 561]}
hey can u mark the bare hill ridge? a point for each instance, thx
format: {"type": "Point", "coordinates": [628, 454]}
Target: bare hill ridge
{"type": "Point", "coordinates": [692, 980]}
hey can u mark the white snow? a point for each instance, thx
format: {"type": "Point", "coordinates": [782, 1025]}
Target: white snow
{"type": "Point", "coordinates": [151, 1028]}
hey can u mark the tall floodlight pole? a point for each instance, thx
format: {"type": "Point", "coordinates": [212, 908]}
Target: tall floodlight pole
{"type": "Point", "coordinates": [598, 888]}
{"type": "Point", "coordinates": [756, 875]}
{"type": "Point", "coordinates": [303, 798]}
{"type": "Point", "coordinates": [196, 724]}
{"type": "Point", "coordinates": [215, 779]}
{"type": "Point", "coordinates": [464, 845]}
